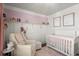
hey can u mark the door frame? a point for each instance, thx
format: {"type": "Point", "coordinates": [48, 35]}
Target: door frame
{"type": "Point", "coordinates": [1, 28]}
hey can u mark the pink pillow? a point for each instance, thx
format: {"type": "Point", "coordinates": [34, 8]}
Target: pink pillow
{"type": "Point", "coordinates": [19, 38]}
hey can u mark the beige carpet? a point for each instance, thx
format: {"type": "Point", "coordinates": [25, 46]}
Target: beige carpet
{"type": "Point", "coordinates": [46, 51]}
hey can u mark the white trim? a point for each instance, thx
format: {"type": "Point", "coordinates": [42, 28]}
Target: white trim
{"type": "Point", "coordinates": [22, 10]}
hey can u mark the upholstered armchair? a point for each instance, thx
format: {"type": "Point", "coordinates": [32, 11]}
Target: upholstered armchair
{"type": "Point", "coordinates": [22, 47]}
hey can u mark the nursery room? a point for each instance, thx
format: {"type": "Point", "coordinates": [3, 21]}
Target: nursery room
{"type": "Point", "coordinates": [39, 29]}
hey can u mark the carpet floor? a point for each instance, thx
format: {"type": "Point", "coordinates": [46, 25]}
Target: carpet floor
{"type": "Point", "coordinates": [46, 51]}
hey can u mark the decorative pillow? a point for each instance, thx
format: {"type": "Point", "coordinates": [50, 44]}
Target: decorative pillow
{"type": "Point", "coordinates": [19, 38]}
{"type": "Point", "coordinates": [24, 37]}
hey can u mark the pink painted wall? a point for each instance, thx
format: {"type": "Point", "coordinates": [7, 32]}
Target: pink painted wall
{"type": "Point", "coordinates": [32, 18]}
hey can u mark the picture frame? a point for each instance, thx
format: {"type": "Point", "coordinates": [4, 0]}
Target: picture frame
{"type": "Point", "coordinates": [57, 21]}
{"type": "Point", "coordinates": [69, 19]}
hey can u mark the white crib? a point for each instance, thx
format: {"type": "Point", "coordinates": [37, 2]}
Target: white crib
{"type": "Point", "coordinates": [65, 45]}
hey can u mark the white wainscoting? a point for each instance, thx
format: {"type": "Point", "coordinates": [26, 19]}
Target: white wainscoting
{"type": "Point", "coordinates": [34, 31]}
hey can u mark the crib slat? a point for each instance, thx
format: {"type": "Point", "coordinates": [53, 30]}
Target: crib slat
{"type": "Point", "coordinates": [69, 48]}
{"type": "Point", "coordinates": [56, 43]}
{"type": "Point", "coordinates": [63, 45]}
{"type": "Point", "coordinates": [66, 46]}
{"type": "Point", "coordinates": [59, 44]}
{"type": "Point", "coordinates": [72, 47]}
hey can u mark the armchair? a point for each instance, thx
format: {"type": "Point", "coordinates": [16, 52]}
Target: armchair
{"type": "Point", "coordinates": [22, 47]}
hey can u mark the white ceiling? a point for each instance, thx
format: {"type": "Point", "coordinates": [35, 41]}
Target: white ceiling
{"type": "Point", "coordinates": [42, 8]}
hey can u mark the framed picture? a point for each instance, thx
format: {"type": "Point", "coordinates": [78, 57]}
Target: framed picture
{"type": "Point", "coordinates": [69, 19]}
{"type": "Point", "coordinates": [57, 21]}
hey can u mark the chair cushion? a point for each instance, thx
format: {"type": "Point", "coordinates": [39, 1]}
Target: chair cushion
{"type": "Point", "coordinates": [13, 39]}
{"type": "Point", "coordinates": [19, 38]}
